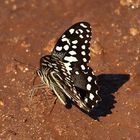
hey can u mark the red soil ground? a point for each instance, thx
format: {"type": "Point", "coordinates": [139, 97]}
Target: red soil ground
{"type": "Point", "coordinates": [29, 29]}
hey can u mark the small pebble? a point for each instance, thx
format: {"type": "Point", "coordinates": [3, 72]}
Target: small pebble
{"type": "Point", "coordinates": [1, 103]}
{"type": "Point", "coordinates": [133, 31]}
{"type": "Point", "coordinates": [5, 86]}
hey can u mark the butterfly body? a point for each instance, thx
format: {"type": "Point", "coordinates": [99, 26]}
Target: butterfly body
{"type": "Point", "coordinates": [66, 71]}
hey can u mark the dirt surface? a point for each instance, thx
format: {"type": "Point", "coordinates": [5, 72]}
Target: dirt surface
{"type": "Point", "coordinates": [30, 29]}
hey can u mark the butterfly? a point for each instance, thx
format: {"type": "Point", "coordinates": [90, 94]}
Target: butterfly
{"type": "Point", "coordinates": [66, 71]}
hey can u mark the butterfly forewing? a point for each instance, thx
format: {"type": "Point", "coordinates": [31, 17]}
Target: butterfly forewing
{"type": "Point", "coordinates": [73, 46]}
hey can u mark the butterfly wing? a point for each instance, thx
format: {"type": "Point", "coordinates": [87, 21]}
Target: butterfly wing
{"type": "Point", "coordinates": [73, 45]}
{"type": "Point", "coordinates": [54, 73]}
{"type": "Point", "coordinates": [73, 50]}
{"type": "Point", "coordinates": [85, 83]}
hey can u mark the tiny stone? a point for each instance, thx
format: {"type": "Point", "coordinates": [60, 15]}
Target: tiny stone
{"type": "Point", "coordinates": [5, 86]}
{"type": "Point", "coordinates": [1, 103]}
{"type": "Point", "coordinates": [26, 109]}
{"type": "Point", "coordinates": [134, 31]}
{"type": "Point", "coordinates": [13, 79]}
{"type": "Point", "coordinates": [26, 69]}
{"type": "Point", "coordinates": [14, 7]}
{"type": "Point", "coordinates": [6, 2]}
{"type": "Point", "coordinates": [26, 50]}
{"type": "Point", "coordinates": [10, 29]}
{"type": "Point", "coordinates": [15, 72]}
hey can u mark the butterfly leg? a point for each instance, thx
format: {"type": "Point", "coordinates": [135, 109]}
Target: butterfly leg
{"type": "Point", "coordinates": [48, 93]}
{"type": "Point", "coordinates": [53, 104]}
{"type": "Point", "coordinates": [34, 89]}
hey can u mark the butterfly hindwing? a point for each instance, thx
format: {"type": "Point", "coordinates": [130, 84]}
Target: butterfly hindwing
{"type": "Point", "coordinates": [85, 83]}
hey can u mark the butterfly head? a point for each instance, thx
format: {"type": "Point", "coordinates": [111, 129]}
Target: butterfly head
{"type": "Point", "coordinates": [42, 73]}
{"type": "Point", "coordinates": [45, 65]}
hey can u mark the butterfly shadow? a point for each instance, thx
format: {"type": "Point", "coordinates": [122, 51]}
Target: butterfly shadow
{"type": "Point", "coordinates": [109, 84]}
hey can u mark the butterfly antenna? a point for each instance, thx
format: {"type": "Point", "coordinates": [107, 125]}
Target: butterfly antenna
{"type": "Point", "coordinates": [28, 65]}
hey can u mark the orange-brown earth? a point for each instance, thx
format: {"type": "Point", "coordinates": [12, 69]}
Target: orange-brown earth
{"type": "Point", "coordinates": [30, 29]}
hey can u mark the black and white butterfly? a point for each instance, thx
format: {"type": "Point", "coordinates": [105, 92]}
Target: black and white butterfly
{"type": "Point", "coordinates": [66, 72]}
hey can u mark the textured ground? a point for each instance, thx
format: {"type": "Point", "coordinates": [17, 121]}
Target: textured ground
{"type": "Point", "coordinates": [29, 29]}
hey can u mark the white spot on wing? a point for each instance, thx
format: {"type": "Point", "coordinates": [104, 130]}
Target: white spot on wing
{"type": "Point", "coordinates": [92, 106]}
{"type": "Point", "coordinates": [74, 91]}
{"type": "Point", "coordinates": [84, 59]}
{"type": "Point", "coordinates": [83, 25]}
{"type": "Point", "coordinates": [88, 86]}
{"type": "Point", "coordinates": [75, 42]}
{"type": "Point", "coordinates": [77, 72]}
{"type": "Point", "coordinates": [58, 48]}
{"type": "Point", "coordinates": [96, 92]}
{"type": "Point", "coordinates": [76, 32]}
{"type": "Point", "coordinates": [89, 78]}
{"type": "Point", "coordinates": [95, 82]}
{"type": "Point", "coordinates": [83, 67]}
{"type": "Point", "coordinates": [72, 53]}
{"type": "Point", "coordinates": [74, 46]}
{"type": "Point", "coordinates": [93, 73]}
{"type": "Point", "coordinates": [66, 47]}
{"type": "Point", "coordinates": [66, 40]}
{"type": "Point", "coordinates": [86, 41]}
{"type": "Point", "coordinates": [83, 47]}
{"type": "Point", "coordinates": [63, 36]}
{"type": "Point", "coordinates": [87, 30]}
{"type": "Point", "coordinates": [67, 65]}
{"type": "Point", "coordinates": [91, 96]}
{"type": "Point", "coordinates": [80, 30]}
{"type": "Point", "coordinates": [83, 53]}
{"type": "Point", "coordinates": [86, 100]}
{"type": "Point", "coordinates": [81, 36]}
{"type": "Point", "coordinates": [71, 31]}
{"type": "Point", "coordinates": [96, 101]}
{"type": "Point", "coordinates": [70, 58]}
